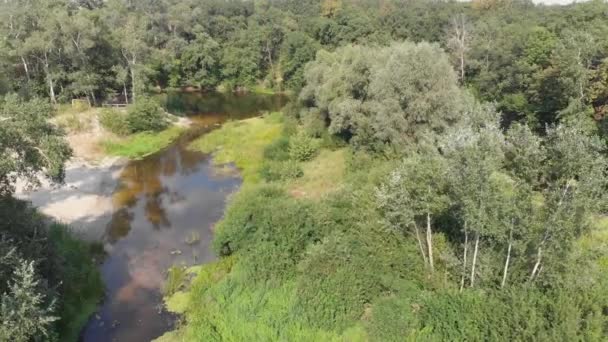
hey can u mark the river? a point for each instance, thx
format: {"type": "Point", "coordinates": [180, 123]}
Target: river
{"type": "Point", "coordinates": [164, 209]}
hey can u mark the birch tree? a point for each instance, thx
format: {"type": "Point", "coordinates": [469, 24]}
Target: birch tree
{"type": "Point", "coordinates": [417, 193]}
{"type": "Point", "coordinates": [474, 154]}
{"type": "Point", "coordinates": [459, 41]}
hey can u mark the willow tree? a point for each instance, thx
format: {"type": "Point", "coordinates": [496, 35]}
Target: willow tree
{"type": "Point", "coordinates": [390, 96]}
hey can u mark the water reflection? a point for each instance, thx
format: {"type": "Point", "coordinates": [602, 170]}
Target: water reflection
{"type": "Point", "coordinates": [160, 202]}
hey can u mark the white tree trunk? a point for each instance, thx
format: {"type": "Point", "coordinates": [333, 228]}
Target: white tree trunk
{"type": "Point", "coordinates": [506, 268]}
{"type": "Point", "coordinates": [124, 89]}
{"type": "Point", "coordinates": [474, 259]}
{"type": "Point", "coordinates": [429, 240]}
{"type": "Point", "coordinates": [464, 262]}
{"type": "Point", "coordinates": [539, 256]}
{"type": "Point", "coordinates": [25, 67]}
{"type": "Point", "coordinates": [132, 69]}
{"type": "Point", "coordinates": [52, 89]}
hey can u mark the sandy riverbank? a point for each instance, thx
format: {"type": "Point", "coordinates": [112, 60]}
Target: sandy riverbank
{"type": "Point", "coordinates": [84, 201]}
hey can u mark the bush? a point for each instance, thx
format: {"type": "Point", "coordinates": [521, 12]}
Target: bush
{"type": "Point", "coordinates": [277, 150]}
{"type": "Point", "coordinates": [114, 121]}
{"type": "Point", "coordinates": [302, 147]}
{"type": "Point", "coordinates": [146, 115]}
{"type": "Point", "coordinates": [282, 170]}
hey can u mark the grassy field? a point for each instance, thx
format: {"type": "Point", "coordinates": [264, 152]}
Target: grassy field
{"type": "Point", "coordinates": [140, 145]}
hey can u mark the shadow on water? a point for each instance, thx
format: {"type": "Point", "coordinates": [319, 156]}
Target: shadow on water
{"type": "Point", "coordinates": [161, 201]}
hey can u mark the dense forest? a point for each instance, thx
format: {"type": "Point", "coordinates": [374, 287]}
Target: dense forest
{"type": "Point", "coordinates": [457, 152]}
{"type": "Point", "coordinates": [538, 63]}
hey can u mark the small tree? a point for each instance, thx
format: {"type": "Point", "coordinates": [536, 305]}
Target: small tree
{"type": "Point", "coordinates": [23, 312]}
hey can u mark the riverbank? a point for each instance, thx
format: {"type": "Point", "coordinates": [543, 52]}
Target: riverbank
{"type": "Point", "coordinates": [93, 143]}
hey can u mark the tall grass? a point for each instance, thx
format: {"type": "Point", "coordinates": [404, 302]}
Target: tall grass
{"type": "Point", "coordinates": [243, 143]}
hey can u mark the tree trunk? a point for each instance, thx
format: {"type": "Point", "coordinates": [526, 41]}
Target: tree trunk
{"type": "Point", "coordinates": [131, 68]}
{"type": "Point", "coordinates": [474, 259]}
{"type": "Point", "coordinates": [506, 269]}
{"type": "Point", "coordinates": [52, 90]}
{"type": "Point", "coordinates": [25, 67]}
{"type": "Point", "coordinates": [429, 240]}
{"type": "Point", "coordinates": [49, 79]}
{"type": "Point", "coordinates": [124, 89]}
{"type": "Point", "coordinates": [462, 66]}
{"type": "Point", "coordinates": [93, 99]}
{"type": "Point", "coordinates": [539, 256]}
{"type": "Point", "coordinates": [464, 262]}
{"type": "Point", "coordinates": [420, 243]}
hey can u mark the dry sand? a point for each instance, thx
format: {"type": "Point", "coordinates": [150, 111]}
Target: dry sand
{"type": "Point", "coordinates": [84, 201]}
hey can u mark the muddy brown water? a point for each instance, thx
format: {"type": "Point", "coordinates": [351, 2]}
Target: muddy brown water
{"type": "Point", "coordinates": [161, 205]}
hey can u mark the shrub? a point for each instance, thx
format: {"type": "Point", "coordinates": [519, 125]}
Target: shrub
{"type": "Point", "coordinates": [302, 147]}
{"type": "Point", "coordinates": [114, 121]}
{"type": "Point", "coordinates": [282, 170]}
{"type": "Point", "coordinates": [146, 115]}
{"type": "Point", "coordinates": [278, 149]}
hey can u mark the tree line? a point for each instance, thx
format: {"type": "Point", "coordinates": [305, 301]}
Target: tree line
{"type": "Point", "coordinates": [540, 64]}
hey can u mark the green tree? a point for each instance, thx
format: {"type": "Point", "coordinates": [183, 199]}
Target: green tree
{"type": "Point", "coordinates": [396, 95]}
{"type": "Point", "coordinates": [24, 315]}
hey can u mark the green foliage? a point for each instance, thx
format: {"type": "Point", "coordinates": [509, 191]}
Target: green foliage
{"type": "Point", "coordinates": [396, 94]}
{"type": "Point", "coordinates": [302, 147]}
{"type": "Point", "coordinates": [23, 312]}
{"type": "Point", "coordinates": [146, 115]}
{"type": "Point", "coordinates": [114, 121]}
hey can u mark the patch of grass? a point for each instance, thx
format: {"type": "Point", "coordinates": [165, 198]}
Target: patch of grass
{"type": "Point", "coordinates": [142, 144]}
{"type": "Point", "coordinates": [243, 143]}
{"type": "Point", "coordinates": [322, 175]}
